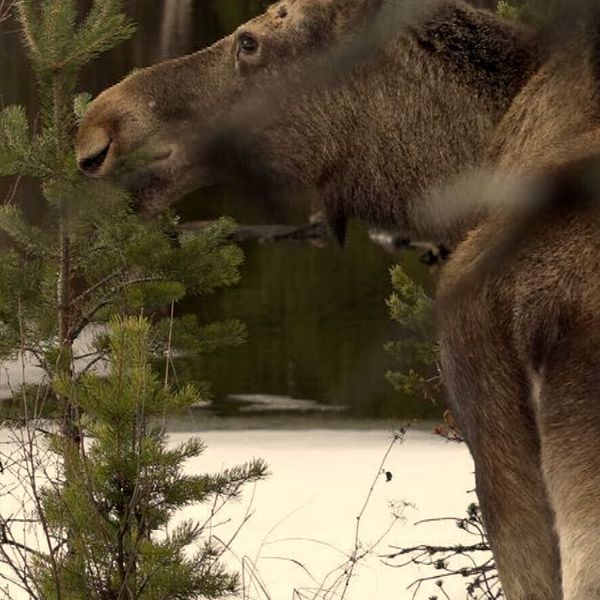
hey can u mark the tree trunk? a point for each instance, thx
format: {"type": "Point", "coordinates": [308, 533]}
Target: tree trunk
{"type": "Point", "coordinates": [176, 27]}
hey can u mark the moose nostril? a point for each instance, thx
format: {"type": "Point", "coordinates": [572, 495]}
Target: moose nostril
{"type": "Point", "coordinates": [90, 165]}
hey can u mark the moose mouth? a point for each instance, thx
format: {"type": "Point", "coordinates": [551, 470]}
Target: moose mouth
{"type": "Point", "coordinates": [105, 161]}
{"type": "Point", "coordinates": [92, 164]}
{"type": "Point", "coordinates": [163, 181]}
{"type": "Point", "coordinates": [155, 178]}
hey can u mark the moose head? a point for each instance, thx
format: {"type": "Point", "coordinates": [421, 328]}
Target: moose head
{"type": "Point", "coordinates": [371, 102]}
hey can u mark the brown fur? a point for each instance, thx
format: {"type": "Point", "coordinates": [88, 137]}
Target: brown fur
{"type": "Point", "coordinates": [520, 344]}
{"type": "Point", "coordinates": [416, 111]}
{"type": "Point", "coordinates": [526, 383]}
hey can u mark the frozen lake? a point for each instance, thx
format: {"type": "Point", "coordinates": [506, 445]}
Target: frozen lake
{"type": "Point", "coordinates": [303, 517]}
{"type": "Point", "coordinates": [305, 513]}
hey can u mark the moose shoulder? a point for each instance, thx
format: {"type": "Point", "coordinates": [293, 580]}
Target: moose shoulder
{"type": "Point", "coordinates": [312, 94]}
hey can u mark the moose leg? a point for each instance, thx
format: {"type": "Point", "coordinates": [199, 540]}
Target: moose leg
{"type": "Point", "coordinates": [494, 413]}
{"type": "Point", "coordinates": [519, 523]}
{"type": "Point", "coordinates": [569, 422]}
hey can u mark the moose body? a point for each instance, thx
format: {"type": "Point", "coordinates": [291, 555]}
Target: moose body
{"type": "Point", "coordinates": [381, 134]}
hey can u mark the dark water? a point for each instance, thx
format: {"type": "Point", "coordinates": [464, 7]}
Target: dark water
{"type": "Point", "coordinates": [316, 315]}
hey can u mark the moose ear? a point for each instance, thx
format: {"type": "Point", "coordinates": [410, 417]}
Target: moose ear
{"type": "Point", "coordinates": [353, 15]}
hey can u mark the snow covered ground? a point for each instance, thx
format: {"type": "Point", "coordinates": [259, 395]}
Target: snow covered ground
{"type": "Point", "coordinates": [303, 517]}
{"type": "Point", "coordinates": [305, 513]}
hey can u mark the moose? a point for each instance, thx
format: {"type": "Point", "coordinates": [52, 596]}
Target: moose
{"type": "Point", "coordinates": [381, 118]}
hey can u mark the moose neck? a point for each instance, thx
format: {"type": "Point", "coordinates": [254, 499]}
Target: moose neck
{"type": "Point", "coordinates": [412, 117]}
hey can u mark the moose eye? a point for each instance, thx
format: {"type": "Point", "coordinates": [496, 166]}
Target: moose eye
{"type": "Point", "coordinates": [247, 44]}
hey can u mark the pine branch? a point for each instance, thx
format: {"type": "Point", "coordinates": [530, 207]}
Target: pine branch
{"type": "Point", "coordinates": [94, 288]}
{"type": "Point", "coordinates": [75, 332]}
{"type": "Point", "coordinates": [56, 31]}
{"type": "Point", "coordinates": [104, 28]}
{"type": "Point", "coordinates": [29, 20]}
{"type": "Point", "coordinates": [120, 487]}
{"type": "Point", "coordinates": [11, 543]}
{"type": "Point", "coordinates": [87, 369]}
